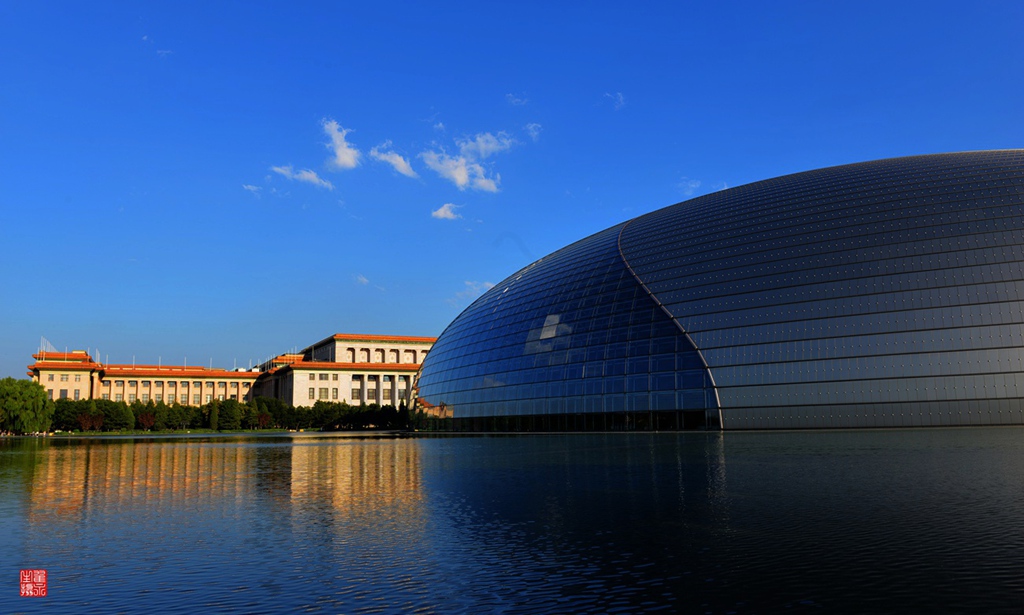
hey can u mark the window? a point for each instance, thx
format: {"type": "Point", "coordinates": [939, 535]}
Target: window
{"type": "Point", "coordinates": [312, 376]}
{"type": "Point", "coordinates": [222, 385]}
{"type": "Point", "coordinates": [245, 385]}
{"type": "Point", "coordinates": [145, 397]}
{"type": "Point", "coordinates": [76, 394]}
{"type": "Point", "coordinates": [158, 397]}
{"type": "Point", "coordinates": [170, 398]}
{"type": "Point", "coordinates": [234, 385]}
{"type": "Point", "coordinates": [371, 394]}
{"type": "Point", "coordinates": [312, 393]}
{"type": "Point", "coordinates": [118, 397]}
{"type": "Point", "coordinates": [323, 392]}
{"type": "Point", "coordinates": [387, 394]}
{"type": "Point", "coordinates": [131, 398]}
{"type": "Point", "coordinates": [195, 399]}
{"type": "Point", "coordinates": [209, 397]}
{"type": "Point", "coordinates": [106, 383]}
{"type": "Point", "coordinates": [119, 383]}
{"type": "Point", "coordinates": [209, 384]}
{"type": "Point", "coordinates": [145, 383]}
{"type": "Point", "coordinates": [78, 377]}
{"type": "Point", "coordinates": [133, 383]}
{"type": "Point", "coordinates": [355, 394]}
{"type": "Point", "coordinates": [160, 385]}
{"type": "Point", "coordinates": [63, 377]}
{"type": "Point", "coordinates": [197, 384]}
{"type": "Point", "coordinates": [334, 376]}
{"type": "Point", "coordinates": [106, 396]}
{"type": "Point", "coordinates": [171, 385]}
{"type": "Point", "coordinates": [334, 393]}
{"type": "Point", "coordinates": [50, 393]}
{"type": "Point", "coordinates": [220, 398]}
{"type": "Point", "coordinates": [323, 376]}
{"type": "Point", "coordinates": [50, 377]}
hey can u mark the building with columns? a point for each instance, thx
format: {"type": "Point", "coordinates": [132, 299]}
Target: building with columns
{"type": "Point", "coordinates": [347, 368]}
{"type": "Point", "coordinates": [350, 368]}
{"type": "Point", "coordinates": [74, 375]}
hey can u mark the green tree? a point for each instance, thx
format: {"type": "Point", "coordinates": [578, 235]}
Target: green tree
{"type": "Point", "coordinates": [250, 415]}
{"type": "Point", "coordinates": [65, 414]}
{"type": "Point", "coordinates": [160, 414]}
{"type": "Point", "coordinates": [24, 407]}
{"type": "Point", "coordinates": [118, 416]}
{"type": "Point", "coordinates": [213, 415]}
{"type": "Point", "coordinates": [179, 417]}
{"type": "Point", "coordinates": [229, 416]}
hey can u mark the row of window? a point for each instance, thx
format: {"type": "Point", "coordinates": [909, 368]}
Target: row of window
{"type": "Point", "coordinates": [172, 398]}
{"type": "Point", "coordinates": [371, 394]}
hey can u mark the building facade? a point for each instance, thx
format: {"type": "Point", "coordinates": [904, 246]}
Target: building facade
{"type": "Point", "coordinates": [74, 375]}
{"type": "Point", "coordinates": [886, 293]}
{"type": "Point", "coordinates": [347, 368]}
{"type": "Point", "coordinates": [350, 368]}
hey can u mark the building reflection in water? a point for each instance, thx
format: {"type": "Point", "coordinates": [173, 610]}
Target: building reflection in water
{"type": "Point", "coordinates": [73, 481]}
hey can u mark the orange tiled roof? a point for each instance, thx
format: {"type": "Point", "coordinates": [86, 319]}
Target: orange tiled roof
{"type": "Point", "coordinates": [77, 366]}
{"type": "Point", "coordinates": [77, 356]}
{"type": "Point", "coordinates": [174, 371]}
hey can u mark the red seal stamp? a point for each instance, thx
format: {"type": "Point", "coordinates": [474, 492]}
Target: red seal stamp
{"type": "Point", "coordinates": [33, 583]}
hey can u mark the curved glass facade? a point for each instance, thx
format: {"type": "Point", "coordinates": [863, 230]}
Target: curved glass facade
{"type": "Point", "coordinates": [886, 293]}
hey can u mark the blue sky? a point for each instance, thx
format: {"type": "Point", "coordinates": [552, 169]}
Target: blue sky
{"type": "Point", "coordinates": [224, 182]}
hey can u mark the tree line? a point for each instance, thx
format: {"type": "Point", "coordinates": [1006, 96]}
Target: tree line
{"type": "Point", "coordinates": [25, 408]}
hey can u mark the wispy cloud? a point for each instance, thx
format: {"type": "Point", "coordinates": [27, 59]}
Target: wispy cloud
{"type": "Point", "coordinates": [516, 101]}
{"type": "Point", "coordinates": [306, 175]}
{"type": "Point", "coordinates": [484, 144]}
{"type": "Point", "coordinates": [163, 53]}
{"type": "Point", "coordinates": [533, 129]}
{"type": "Point", "coordinates": [253, 189]}
{"type": "Point", "coordinates": [345, 155]}
{"type": "Point", "coordinates": [689, 186]}
{"type": "Point", "coordinates": [399, 163]}
{"type": "Point", "coordinates": [446, 212]}
{"type": "Point", "coordinates": [465, 169]}
{"type": "Point", "coordinates": [471, 291]}
{"type": "Point", "coordinates": [461, 171]}
{"type": "Point", "coordinates": [618, 100]}
{"type": "Point", "coordinates": [361, 279]}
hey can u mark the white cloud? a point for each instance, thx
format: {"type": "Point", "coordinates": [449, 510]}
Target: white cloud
{"type": "Point", "coordinates": [484, 144]}
{"type": "Point", "coordinates": [465, 169]}
{"type": "Point", "coordinates": [487, 184]}
{"type": "Point", "coordinates": [618, 100]}
{"type": "Point", "coordinates": [439, 126]}
{"type": "Point", "coordinates": [163, 53]}
{"type": "Point", "coordinates": [446, 212]}
{"type": "Point", "coordinates": [345, 156]}
{"type": "Point", "coordinates": [515, 100]}
{"type": "Point", "coordinates": [533, 129]}
{"type": "Point", "coordinates": [361, 279]}
{"type": "Point", "coordinates": [689, 186]}
{"type": "Point", "coordinates": [471, 291]}
{"type": "Point", "coordinates": [461, 171]}
{"type": "Point", "coordinates": [399, 163]}
{"type": "Point", "coordinates": [306, 175]}
{"type": "Point", "coordinates": [253, 189]}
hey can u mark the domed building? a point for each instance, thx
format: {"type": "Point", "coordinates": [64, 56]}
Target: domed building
{"type": "Point", "coordinates": [879, 294]}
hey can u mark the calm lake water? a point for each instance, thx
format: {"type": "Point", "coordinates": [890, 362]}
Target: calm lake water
{"type": "Point", "coordinates": [880, 521]}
